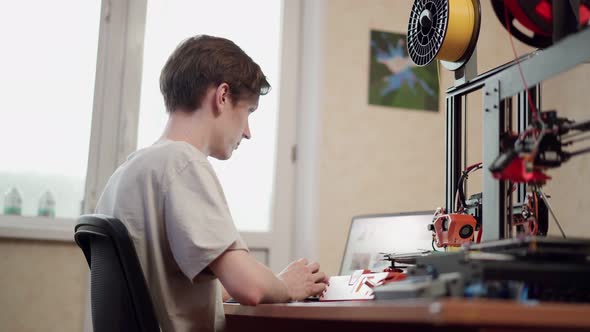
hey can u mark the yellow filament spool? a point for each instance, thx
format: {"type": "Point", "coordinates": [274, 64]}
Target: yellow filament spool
{"type": "Point", "coordinates": [446, 30]}
{"type": "Point", "coordinates": [460, 29]}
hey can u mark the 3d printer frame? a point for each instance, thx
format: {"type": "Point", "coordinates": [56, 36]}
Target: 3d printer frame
{"type": "Point", "coordinates": [500, 85]}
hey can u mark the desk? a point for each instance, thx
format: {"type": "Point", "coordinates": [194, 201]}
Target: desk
{"type": "Point", "coordinates": [455, 315]}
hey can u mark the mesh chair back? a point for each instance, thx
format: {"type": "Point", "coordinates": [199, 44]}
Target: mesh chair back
{"type": "Point", "coordinates": [120, 298]}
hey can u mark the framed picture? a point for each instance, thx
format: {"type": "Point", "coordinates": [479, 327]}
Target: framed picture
{"type": "Point", "coordinates": [395, 81]}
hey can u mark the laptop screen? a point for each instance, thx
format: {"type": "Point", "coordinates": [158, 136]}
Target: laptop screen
{"type": "Point", "coordinates": [372, 235]}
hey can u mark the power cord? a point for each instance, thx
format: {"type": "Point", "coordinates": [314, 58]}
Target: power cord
{"type": "Point", "coordinates": [544, 198]}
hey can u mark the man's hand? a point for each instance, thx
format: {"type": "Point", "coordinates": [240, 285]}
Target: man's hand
{"type": "Point", "coordinates": [303, 279]}
{"type": "Point", "coordinates": [251, 283]}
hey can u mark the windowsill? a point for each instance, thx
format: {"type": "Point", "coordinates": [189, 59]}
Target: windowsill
{"type": "Point", "coordinates": [37, 228]}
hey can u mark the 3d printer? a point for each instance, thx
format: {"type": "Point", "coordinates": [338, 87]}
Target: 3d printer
{"type": "Point", "coordinates": [514, 159]}
{"type": "Point", "coordinates": [510, 215]}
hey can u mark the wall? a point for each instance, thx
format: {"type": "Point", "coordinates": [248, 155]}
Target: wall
{"type": "Point", "coordinates": [373, 159]}
{"type": "Point", "coordinates": [42, 285]}
{"type": "Point", "coordinates": [378, 160]}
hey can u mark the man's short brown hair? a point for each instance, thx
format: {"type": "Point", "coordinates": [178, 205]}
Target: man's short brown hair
{"type": "Point", "coordinates": [201, 62]}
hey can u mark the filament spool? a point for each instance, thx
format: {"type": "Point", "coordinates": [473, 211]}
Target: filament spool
{"type": "Point", "coordinates": [535, 19]}
{"type": "Point", "coordinates": [445, 30]}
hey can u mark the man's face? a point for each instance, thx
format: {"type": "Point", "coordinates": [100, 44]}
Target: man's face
{"type": "Point", "coordinates": [234, 127]}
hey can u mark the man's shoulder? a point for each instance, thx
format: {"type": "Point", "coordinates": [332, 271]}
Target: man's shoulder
{"type": "Point", "coordinates": [164, 152]}
{"type": "Point", "coordinates": [163, 159]}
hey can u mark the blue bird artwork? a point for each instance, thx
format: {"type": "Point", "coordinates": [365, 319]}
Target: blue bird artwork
{"type": "Point", "coordinates": [395, 80]}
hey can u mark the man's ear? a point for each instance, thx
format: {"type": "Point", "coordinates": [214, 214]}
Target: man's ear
{"type": "Point", "coordinates": [221, 98]}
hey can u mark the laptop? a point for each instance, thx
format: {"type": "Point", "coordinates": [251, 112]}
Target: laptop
{"type": "Point", "coordinates": [370, 236]}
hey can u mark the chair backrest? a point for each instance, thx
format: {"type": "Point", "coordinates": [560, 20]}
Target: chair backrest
{"type": "Point", "coordinates": [120, 298]}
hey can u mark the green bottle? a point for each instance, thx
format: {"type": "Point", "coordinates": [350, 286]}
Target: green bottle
{"type": "Point", "coordinates": [46, 205]}
{"type": "Point", "coordinates": [13, 202]}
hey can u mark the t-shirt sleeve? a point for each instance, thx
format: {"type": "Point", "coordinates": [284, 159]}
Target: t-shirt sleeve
{"type": "Point", "coordinates": [199, 226]}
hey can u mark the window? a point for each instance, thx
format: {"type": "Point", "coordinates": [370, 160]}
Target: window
{"type": "Point", "coordinates": [255, 26]}
{"type": "Point", "coordinates": [47, 87]}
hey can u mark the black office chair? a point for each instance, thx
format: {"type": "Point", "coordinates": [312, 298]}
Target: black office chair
{"type": "Point", "coordinates": [120, 298]}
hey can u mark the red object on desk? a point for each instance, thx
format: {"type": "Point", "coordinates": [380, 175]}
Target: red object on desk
{"type": "Point", "coordinates": [358, 286]}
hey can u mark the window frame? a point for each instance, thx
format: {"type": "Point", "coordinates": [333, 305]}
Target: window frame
{"type": "Point", "coordinates": [115, 119]}
{"type": "Point", "coordinates": [115, 106]}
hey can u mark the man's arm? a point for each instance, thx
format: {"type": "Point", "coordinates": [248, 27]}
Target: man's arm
{"type": "Point", "coordinates": [251, 283]}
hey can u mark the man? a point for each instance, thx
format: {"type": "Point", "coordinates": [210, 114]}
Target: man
{"type": "Point", "coordinates": [171, 201]}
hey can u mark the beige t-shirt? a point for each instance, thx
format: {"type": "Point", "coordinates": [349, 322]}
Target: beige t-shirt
{"type": "Point", "coordinates": [171, 201]}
